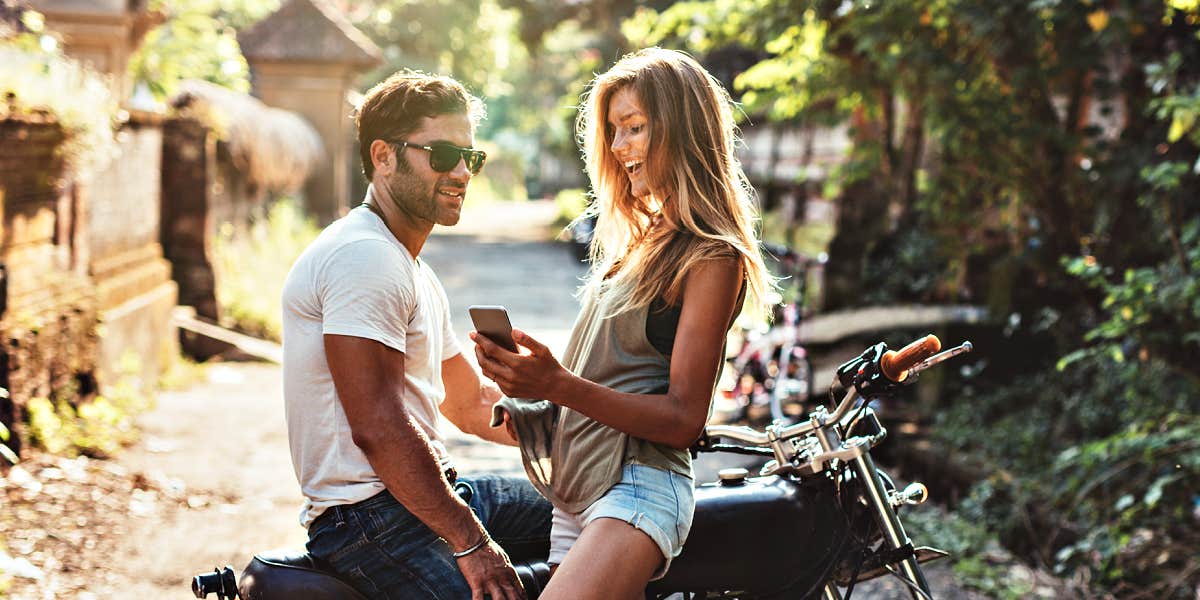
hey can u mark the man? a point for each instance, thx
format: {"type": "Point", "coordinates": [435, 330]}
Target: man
{"type": "Point", "coordinates": [370, 358]}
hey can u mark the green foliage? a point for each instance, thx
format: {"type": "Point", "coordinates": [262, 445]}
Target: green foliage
{"type": "Point", "coordinates": [1068, 451]}
{"type": "Point", "coordinates": [1043, 158]}
{"type": "Point", "coordinates": [549, 83]}
{"type": "Point", "coordinates": [527, 59]}
{"type": "Point", "coordinates": [1141, 485]}
{"type": "Point", "coordinates": [38, 80]}
{"type": "Point", "coordinates": [97, 428]}
{"type": "Point", "coordinates": [198, 41]}
{"type": "Point", "coordinates": [979, 561]}
{"type": "Point", "coordinates": [570, 204]}
{"type": "Point", "coordinates": [470, 40]}
{"type": "Point", "coordinates": [966, 113]}
{"type": "Point", "coordinates": [1154, 309]}
{"type": "Point", "coordinates": [251, 267]}
{"type": "Point", "coordinates": [181, 372]}
{"type": "Point", "coordinates": [912, 266]}
{"type": "Point", "coordinates": [6, 452]}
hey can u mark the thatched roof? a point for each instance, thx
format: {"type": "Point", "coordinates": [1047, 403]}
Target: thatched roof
{"type": "Point", "coordinates": [309, 31]}
{"type": "Point", "coordinates": [272, 147]}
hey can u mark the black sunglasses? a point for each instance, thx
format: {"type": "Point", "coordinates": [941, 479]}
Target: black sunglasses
{"type": "Point", "coordinates": [443, 156]}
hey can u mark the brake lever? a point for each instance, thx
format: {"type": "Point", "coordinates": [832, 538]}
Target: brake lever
{"type": "Point", "coordinates": [945, 355]}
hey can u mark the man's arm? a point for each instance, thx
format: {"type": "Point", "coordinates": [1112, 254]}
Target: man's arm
{"type": "Point", "coordinates": [369, 378]}
{"type": "Point", "coordinates": [469, 401]}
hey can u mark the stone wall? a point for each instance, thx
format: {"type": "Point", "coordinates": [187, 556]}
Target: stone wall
{"type": "Point", "coordinates": [85, 286]}
{"type": "Point", "coordinates": [47, 305]}
{"type": "Point", "coordinates": [135, 292]}
{"type": "Point", "coordinates": [189, 178]}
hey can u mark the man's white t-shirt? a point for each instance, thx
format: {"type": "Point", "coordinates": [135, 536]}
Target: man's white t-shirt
{"type": "Point", "coordinates": [357, 279]}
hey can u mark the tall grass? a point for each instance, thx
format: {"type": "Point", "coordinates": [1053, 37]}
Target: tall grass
{"type": "Point", "coordinates": [251, 264]}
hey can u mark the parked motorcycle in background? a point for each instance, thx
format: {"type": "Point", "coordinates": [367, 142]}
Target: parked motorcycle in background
{"type": "Point", "coordinates": [816, 519]}
{"type": "Point", "coordinates": [772, 369]}
{"type": "Point", "coordinates": [582, 231]}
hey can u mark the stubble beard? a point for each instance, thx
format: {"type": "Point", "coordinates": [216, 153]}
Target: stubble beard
{"type": "Point", "coordinates": [407, 196]}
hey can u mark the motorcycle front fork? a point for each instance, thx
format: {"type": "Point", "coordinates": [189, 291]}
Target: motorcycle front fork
{"type": "Point", "coordinates": [893, 531]}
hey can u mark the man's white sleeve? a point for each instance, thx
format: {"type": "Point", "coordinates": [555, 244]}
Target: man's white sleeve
{"type": "Point", "coordinates": [450, 347]}
{"type": "Point", "coordinates": [366, 290]}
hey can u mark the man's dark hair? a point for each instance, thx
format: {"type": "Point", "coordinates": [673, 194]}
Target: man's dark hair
{"type": "Point", "coordinates": [394, 108]}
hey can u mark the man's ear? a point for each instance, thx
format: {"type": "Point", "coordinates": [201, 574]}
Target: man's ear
{"type": "Point", "coordinates": [382, 157]}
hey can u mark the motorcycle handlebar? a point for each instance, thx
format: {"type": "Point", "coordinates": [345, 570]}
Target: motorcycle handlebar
{"type": "Point", "coordinates": [895, 364]}
{"type": "Point", "coordinates": [740, 433]}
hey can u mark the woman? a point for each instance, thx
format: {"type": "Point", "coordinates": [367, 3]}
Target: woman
{"type": "Point", "coordinates": [673, 257]}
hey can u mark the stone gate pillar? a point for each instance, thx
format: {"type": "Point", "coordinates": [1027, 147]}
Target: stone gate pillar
{"type": "Point", "coordinates": [305, 58]}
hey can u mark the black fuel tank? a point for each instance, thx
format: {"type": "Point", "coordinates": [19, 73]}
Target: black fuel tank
{"type": "Point", "coordinates": [765, 535]}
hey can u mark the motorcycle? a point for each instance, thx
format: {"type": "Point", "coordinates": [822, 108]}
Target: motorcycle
{"type": "Point", "coordinates": [818, 517]}
{"type": "Point", "coordinates": [772, 368]}
{"type": "Point", "coordinates": [582, 232]}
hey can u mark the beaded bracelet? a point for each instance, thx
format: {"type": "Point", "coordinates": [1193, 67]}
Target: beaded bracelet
{"type": "Point", "coordinates": [481, 543]}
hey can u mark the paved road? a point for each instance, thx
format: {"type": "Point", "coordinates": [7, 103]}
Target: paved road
{"type": "Point", "coordinates": [499, 255]}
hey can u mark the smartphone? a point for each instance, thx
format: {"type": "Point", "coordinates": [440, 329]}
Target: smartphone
{"type": "Point", "coordinates": [493, 322]}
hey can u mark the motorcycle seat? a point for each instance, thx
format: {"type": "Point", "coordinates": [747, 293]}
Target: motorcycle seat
{"type": "Point", "coordinates": [291, 574]}
{"type": "Point", "coordinates": [282, 574]}
{"type": "Point", "coordinates": [534, 574]}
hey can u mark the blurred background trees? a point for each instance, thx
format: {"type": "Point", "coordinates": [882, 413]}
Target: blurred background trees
{"type": "Point", "coordinates": [1040, 157]}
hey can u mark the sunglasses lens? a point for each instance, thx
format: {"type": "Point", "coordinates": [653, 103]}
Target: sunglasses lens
{"type": "Point", "coordinates": [443, 158]}
{"type": "Point", "coordinates": [475, 160]}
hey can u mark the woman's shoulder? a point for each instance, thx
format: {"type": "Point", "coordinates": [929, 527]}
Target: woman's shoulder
{"type": "Point", "coordinates": [703, 251]}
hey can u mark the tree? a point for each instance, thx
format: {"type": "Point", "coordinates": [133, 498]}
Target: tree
{"type": "Point", "coordinates": [1041, 156]}
{"type": "Point", "coordinates": [197, 41]}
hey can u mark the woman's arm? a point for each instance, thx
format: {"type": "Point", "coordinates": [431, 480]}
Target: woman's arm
{"type": "Point", "coordinates": [675, 418]}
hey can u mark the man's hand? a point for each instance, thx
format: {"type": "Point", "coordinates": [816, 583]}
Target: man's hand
{"type": "Point", "coordinates": [488, 571]}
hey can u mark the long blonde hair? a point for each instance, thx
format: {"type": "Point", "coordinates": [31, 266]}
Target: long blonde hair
{"type": "Point", "coordinates": [701, 204]}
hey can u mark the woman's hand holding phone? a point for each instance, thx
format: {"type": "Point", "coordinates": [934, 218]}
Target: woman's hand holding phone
{"type": "Point", "coordinates": [492, 321]}
{"type": "Point", "coordinates": [531, 373]}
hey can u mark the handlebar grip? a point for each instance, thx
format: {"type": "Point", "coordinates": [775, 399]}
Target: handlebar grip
{"type": "Point", "coordinates": [896, 363]}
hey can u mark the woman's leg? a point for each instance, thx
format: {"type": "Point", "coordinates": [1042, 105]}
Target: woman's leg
{"type": "Point", "coordinates": [611, 560]}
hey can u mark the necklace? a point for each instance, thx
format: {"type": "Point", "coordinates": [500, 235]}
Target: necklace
{"type": "Point", "coordinates": [375, 209]}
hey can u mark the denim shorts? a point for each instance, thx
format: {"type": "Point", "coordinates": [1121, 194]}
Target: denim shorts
{"type": "Point", "coordinates": [655, 501]}
{"type": "Point", "coordinates": [385, 552]}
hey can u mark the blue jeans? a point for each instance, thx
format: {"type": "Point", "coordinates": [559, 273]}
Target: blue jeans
{"type": "Point", "coordinates": [385, 552]}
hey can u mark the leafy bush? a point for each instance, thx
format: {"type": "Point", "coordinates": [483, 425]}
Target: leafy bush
{"type": "Point", "coordinates": [980, 563]}
{"type": "Point", "coordinates": [1103, 509]}
{"type": "Point", "coordinates": [1133, 497]}
{"type": "Point", "coordinates": [38, 79]}
{"type": "Point", "coordinates": [1096, 460]}
{"type": "Point", "coordinates": [252, 264]}
{"type": "Point", "coordinates": [95, 428]}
